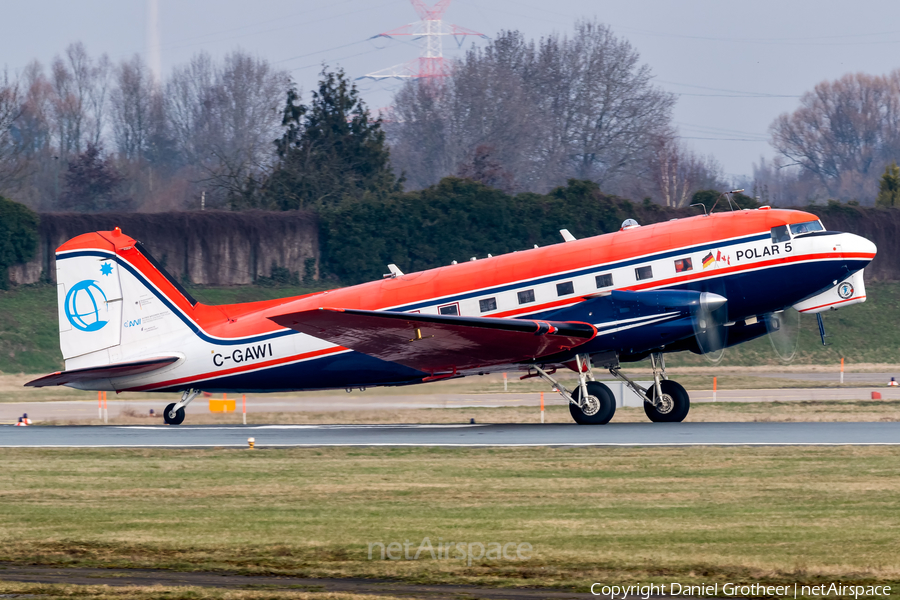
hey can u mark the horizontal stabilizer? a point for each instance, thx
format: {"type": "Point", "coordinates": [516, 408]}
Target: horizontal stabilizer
{"type": "Point", "coordinates": [439, 343]}
{"type": "Point", "coordinates": [103, 372]}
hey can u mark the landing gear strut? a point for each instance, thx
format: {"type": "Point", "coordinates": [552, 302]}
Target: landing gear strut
{"type": "Point", "coordinates": [174, 413]}
{"type": "Point", "coordinates": [665, 401]}
{"type": "Point", "coordinates": [591, 403]}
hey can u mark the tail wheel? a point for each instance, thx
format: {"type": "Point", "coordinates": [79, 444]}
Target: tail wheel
{"type": "Point", "coordinates": [173, 418]}
{"type": "Point", "coordinates": [598, 408]}
{"type": "Point", "coordinates": [672, 407]}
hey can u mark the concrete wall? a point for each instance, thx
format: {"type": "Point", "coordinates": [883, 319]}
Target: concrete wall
{"type": "Point", "coordinates": [208, 248]}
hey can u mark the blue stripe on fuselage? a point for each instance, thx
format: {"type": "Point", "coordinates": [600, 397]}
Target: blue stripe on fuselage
{"type": "Point", "coordinates": [602, 268]}
{"type": "Point", "coordinates": [336, 371]}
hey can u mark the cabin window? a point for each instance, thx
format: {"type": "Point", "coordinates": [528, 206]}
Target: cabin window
{"type": "Point", "coordinates": [449, 309]}
{"type": "Point", "coordinates": [565, 288]}
{"type": "Point", "coordinates": [798, 228]}
{"type": "Point", "coordinates": [683, 264]}
{"type": "Point", "coordinates": [643, 273]}
{"type": "Point", "coordinates": [487, 304]}
{"type": "Point", "coordinates": [780, 234]}
{"type": "Point", "coordinates": [604, 280]}
{"type": "Point", "coordinates": [526, 296]}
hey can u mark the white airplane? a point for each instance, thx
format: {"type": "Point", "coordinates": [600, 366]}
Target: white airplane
{"type": "Point", "coordinates": [698, 284]}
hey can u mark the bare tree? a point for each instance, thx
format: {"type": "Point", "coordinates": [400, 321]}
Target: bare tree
{"type": "Point", "coordinates": [569, 106]}
{"type": "Point", "coordinates": [211, 124]}
{"type": "Point", "coordinates": [679, 171]}
{"type": "Point", "coordinates": [79, 97]}
{"type": "Point", "coordinates": [225, 117]}
{"type": "Point", "coordinates": [189, 97]}
{"type": "Point", "coordinates": [420, 134]}
{"type": "Point", "coordinates": [484, 168]}
{"type": "Point", "coordinates": [844, 132]}
{"type": "Point", "coordinates": [131, 104]}
{"type": "Point", "coordinates": [98, 100]}
{"type": "Point", "coordinates": [616, 114]}
{"type": "Point", "coordinates": [12, 166]}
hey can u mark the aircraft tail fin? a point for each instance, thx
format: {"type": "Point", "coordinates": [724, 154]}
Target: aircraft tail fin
{"type": "Point", "coordinates": [116, 303]}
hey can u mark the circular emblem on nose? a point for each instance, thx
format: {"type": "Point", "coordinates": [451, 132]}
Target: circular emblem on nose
{"type": "Point", "coordinates": [845, 290]}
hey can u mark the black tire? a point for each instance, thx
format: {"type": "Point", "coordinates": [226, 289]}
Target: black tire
{"type": "Point", "coordinates": [681, 403]}
{"type": "Point", "coordinates": [607, 405]}
{"type": "Point", "coordinates": [177, 419]}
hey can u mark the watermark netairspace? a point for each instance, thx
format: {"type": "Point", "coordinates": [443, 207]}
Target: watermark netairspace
{"type": "Point", "coordinates": [743, 590]}
{"type": "Point", "coordinates": [467, 551]}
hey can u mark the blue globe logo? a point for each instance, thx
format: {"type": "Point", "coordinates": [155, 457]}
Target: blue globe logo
{"type": "Point", "coordinates": [85, 303]}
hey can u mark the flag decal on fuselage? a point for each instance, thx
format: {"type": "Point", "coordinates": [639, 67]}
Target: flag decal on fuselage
{"type": "Point", "coordinates": [708, 260]}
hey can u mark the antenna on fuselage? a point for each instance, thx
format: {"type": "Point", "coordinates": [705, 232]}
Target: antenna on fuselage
{"type": "Point", "coordinates": [394, 272]}
{"type": "Point", "coordinates": [703, 206]}
{"type": "Point", "coordinates": [727, 197]}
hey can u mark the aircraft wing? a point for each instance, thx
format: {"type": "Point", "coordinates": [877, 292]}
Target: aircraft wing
{"type": "Point", "coordinates": [438, 343]}
{"type": "Point", "coordinates": [103, 372]}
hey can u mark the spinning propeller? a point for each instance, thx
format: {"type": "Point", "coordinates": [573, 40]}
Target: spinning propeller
{"type": "Point", "coordinates": [784, 333]}
{"type": "Point", "coordinates": [711, 326]}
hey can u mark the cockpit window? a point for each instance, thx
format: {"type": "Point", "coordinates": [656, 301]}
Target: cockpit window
{"type": "Point", "coordinates": [798, 228]}
{"type": "Point", "coordinates": [780, 234]}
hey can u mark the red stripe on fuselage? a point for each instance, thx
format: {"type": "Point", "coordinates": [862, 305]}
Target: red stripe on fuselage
{"type": "Point", "coordinates": [235, 370]}
{"type": "Point", "coordinates": [832, 303]}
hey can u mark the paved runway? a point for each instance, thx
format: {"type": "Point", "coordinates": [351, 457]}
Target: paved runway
{"type": "Point", "coordinates": [614, 434]}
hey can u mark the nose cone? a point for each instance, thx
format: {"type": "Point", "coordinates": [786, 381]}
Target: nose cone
{"type": "Point", "coordinates": [710, 301]}
{"type": "Point", "coordinates": [859, 247]}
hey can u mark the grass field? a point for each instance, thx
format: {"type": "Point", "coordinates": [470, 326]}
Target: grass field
{"type": "Point", "coordinates": [612, 515]}
{"type": "Point", "coordinates": [862, 334]}
{"type": "Point", "coordinates": [154, 592]}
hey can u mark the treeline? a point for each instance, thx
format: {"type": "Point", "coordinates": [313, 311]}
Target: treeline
{"type": "Point", "coordinates": [578, 105]}
{"type": "Point", "coordinates": [518, 115]}
{"type": "Point", "coordinates": [458, 219]}
{"type": "Point", "coordinates": [523, 116]}
{"type": "Point", "coordinates": [843, 142]}
{"type": "Point", "coordinates": [89, 135]}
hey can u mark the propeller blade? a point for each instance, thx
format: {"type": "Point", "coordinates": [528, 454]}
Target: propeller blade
{"type": "Point", "coordinates": [709, 326]}
{"type": "Point", "coordinates": [784, 333]}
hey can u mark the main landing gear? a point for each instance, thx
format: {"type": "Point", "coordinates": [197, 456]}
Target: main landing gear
{"type": "Point", "coordinates": [592, 403]}
{"type": "Point", "coordinates": [174, 413]}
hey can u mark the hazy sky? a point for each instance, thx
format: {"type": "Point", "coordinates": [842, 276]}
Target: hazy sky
{"type": "Point", "coordinates": [735, 66]}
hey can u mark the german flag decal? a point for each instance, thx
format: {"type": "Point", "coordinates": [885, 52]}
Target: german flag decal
{"type": "Point", "coordinates": [708, 260]}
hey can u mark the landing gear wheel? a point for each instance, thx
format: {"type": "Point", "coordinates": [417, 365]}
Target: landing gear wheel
{"type": "Point", "coordinates": [674, 405]}
{"type": "Point", "coordinates": [175, 418]}
{"type": "Point", "coordinates": [599, 406]}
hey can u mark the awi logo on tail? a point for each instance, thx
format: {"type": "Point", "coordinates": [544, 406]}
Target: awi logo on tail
{"type": "Point", "coordinates": [86, 306]}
